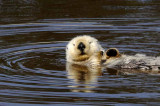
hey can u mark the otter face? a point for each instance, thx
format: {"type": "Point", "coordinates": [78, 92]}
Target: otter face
{"type": "Point", "coordinates": [81, 48]}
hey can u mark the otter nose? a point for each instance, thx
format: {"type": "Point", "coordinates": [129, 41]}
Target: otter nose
{"type": "Point", "coordinates": [81, 46]}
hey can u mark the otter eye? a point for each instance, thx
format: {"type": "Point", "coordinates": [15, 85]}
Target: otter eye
{"type": "Point", "coordinates": [73, 44]}
{"type": "Point", "coordinates": [102, 53]}
{"type": "Point", "coordinates": [90, 42]}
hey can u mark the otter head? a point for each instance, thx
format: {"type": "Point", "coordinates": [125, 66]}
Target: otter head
{"type": "Point", "coordinates": [81, 48]}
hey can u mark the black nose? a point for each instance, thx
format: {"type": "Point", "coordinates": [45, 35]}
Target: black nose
{"type": "Point", "coordinates": [81, 47]}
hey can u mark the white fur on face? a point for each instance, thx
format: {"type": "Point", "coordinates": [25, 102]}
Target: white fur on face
{"type": "Point", "coordinates": [91, 46]}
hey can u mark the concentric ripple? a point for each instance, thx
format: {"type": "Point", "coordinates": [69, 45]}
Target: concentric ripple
{"type": "Point", "coordinates": [33, 69]}
{"type": "Point", "coordinates": [33, 35]}
{"type": "Point", "coordinates": [29, 71]}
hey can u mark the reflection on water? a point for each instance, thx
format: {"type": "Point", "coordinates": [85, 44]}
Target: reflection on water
{"type": "Point", "coordinates": [85, 78]}
{"type": "Point", "coordinates": [33, 36]}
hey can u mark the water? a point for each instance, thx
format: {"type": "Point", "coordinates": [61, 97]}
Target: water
{"type": "Point", "coordinates": [32, 52]}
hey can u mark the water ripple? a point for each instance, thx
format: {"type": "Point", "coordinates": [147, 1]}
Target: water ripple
{"type": "Point", "coordinates": [33, 69]}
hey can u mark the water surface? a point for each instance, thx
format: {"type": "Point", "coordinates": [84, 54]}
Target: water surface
{"type": "Point", "coordinates": [33, 69]}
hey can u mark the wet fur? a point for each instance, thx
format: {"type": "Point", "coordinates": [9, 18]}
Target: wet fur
{"type": "Point", "coordinates": [138, 61]}
{"type": "Point", "coordinates": [92, 56]}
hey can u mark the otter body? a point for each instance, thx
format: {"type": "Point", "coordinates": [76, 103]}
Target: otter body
{"type": "Point", "coordinates": [138, 61]}
{"type": "Point", "coordinates": [86, 50]}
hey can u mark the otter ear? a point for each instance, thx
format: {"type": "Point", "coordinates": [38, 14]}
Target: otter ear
{"type": "Point", "coordinates": [112, 52]}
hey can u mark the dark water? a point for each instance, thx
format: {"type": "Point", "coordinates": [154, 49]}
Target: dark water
{"type": "Point", "coordinates": [33, 36]}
